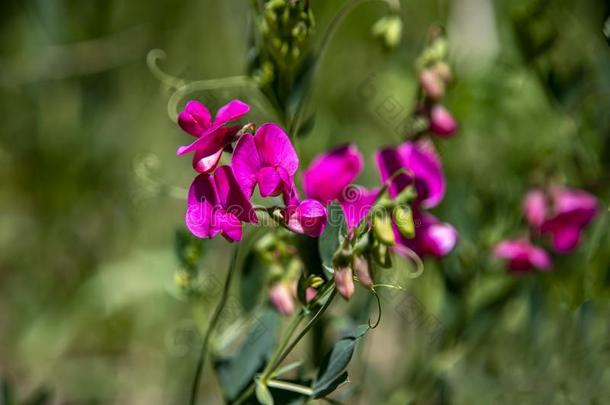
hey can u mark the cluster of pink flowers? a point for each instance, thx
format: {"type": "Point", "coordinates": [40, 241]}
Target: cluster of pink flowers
{"type": "Point", "coordinates": [219, 197]}
{"type": "Point", "coordinates": [559, 212]}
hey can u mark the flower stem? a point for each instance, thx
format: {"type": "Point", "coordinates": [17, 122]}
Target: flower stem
{"type": "Point", "coordinates": [212, 326]}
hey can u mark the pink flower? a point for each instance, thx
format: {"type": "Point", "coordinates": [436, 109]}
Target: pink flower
{"type": "Point", "coordinates": [307, 217]}
{"type": "Point", "coordinates": [521, 255]}
{"type": "Point", "coordinates": [432, 237]}
{"type": "Point", "coordinates": [563, 214]}
{"type": "Point", "coordinates": [281, 297]}
{"type": "Point", "coordinates": [267, 159]}
{"type": "Point", "coordinates": [442, 122]}
{"type": "Point", "coordinates": [212, 137]}
{"type": "Point", "coordinates": [423, 168]}
{"type": "Point", "coordinates": [216, 204]}
{"type": "Point", "coordinates": [329, 178]}
{"type": "Point", "coordinates": [329, 174]}
{"type": "Point", "coordinates": [344, 280]}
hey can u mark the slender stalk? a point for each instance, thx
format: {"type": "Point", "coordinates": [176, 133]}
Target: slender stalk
{"type": "Point", "coordinates": [212, 326]}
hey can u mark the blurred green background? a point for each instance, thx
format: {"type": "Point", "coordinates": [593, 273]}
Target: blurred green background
{"type": "Point", "coordinates": [89, 186]}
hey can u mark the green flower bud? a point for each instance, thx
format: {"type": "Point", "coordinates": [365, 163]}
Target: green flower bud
{"type": "Point", "coordinates": [403, 218]}
{"type": "Point", "coordinates": [382, 227]}
{"type": "Point", "coordinates": [381, 255]}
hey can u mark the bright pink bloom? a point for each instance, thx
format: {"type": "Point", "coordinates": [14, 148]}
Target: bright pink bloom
{"type": "Point", "coordinates": [442, 122]}
{"type": "Point", "coordinates": [216, 204]}
{"type": "Point", "coordinates": [521, 255]}
{"type": "Point", "coordinates": [356, 203]}
{"type": "Point", "coordinates": [329, 174]}
{"type": "Point", "coordinates": [307, 217]}
{"type": "Point", "coordinates": [432, 237]}
{"type": "Point", "coordinates": [423, 168]}
{"type": "Point", "coordinates": [212, 137]}
{"type": "Point", "coordinates": [563, 213]}
{"type": "Point", "coordinates": [267, 159]}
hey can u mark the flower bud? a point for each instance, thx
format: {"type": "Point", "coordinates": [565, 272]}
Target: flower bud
{"type": "Point", "coordinates": [310, 294]}
{"type": "Point", "coordinates": [381, 254]}
{"type": "Point", "coordinates": [441, 121]}
{"type": "Point", "coordinates": [344, 282]}
{"type": "Point", "coordinates": [403, 218]}
{"type": "Point", "coordinates": [432, 84]}
{"type": "Point", "coordinates": [361, 267]}
{"type": "Point", "coordinates": [389, 30]}
{"type": "Point", "coordinates": [382, 226]}
{"type": "Point", "coordinates": [443, 71]}
{"type": "Point", "coordinates": [282, 299]}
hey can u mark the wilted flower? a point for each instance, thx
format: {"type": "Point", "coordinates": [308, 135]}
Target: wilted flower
{"type": "Point", "coordinates": [432, 237]}
{"type": "Point", "coordinates": [422, 168]}
{"type": "Point", "coordinates": [563, 213]}
{"type": "Point", "coordinates": [521, 255]}
{"type": "Point", "coordinates": [216, 204]}
{"type": "Point", "coordinates": [441, 121]}
{"type": "Point", "coordinates": [212, 137]}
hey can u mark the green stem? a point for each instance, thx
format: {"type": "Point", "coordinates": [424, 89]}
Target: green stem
{"type": "Point", "coordinates": [284, 348]}
{"type": "Point", "coordinates": [212, 326]}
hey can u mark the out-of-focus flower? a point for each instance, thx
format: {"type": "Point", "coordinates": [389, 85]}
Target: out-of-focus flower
{"type": "Point", "coordinates": [521, 255]}
{"type": "Point", "coordinates": [282, 298]}
{"type": "Point", "coordinates": [441, 121]}
{"type": "Point", "coordinates": [432, 237]}
{"type": "Point", "coordinates": [422, 168]}
{"type": "Point", "coordinates": [329, 174]}
{"type": "Point", "coordinates": [388, 29]}
{"type": "Point", "coordinates": [562, 212]}
{"type": "Point", "coordinates": [267, 159]}
{"type": "Point", "coordinates": [362, 270]}
{"type": "Point", "coordinates": [212, 137]}
{"type": "Point", "coordinates": [432, 84]}
{"type": "Point", "coordinates": [217, 204]}
{"type": "Point", "coordinates": [344, 281]}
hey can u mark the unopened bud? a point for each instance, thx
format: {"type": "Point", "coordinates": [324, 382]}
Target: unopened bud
{"type": "Point", "coordinates": [381, 254]}
{"type": "Point", "coordinates": [382, 226]}
{"type": "Point", "coordinates": [361, 267]}
{"type": "Point", "coordinates": [344, 282]}
{"type": "Point", "coordinates": [432, 84]}
{"type": "Point", "coordinates": [389, 30]}
{"type": "Point", "coordinates": [443, 70]}
{"type": "Point", "coordinates": [441, 121]}
{"type": "Point", "coordinates": [282, 299]}
{"type": "Point", "coordinates": [403, 218]}
{"type": "Point", "coordinates": [310, 294]}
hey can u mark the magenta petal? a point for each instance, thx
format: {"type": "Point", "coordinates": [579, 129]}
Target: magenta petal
{"type": "Point", "coordinates": [566, 239]}
{"type": "Point", "coordinates": [269, 182]}
{"type": "Point", "coordinates": [230, 227]}
{"type": "Point", "coordinates": [330, 173]}
{"type": "Point", "coordinates": [389, 162]}
{"type": "Point", "coordinates": [432, 237]}
{"type": "Point", "coordinates": [275, 149]}
{"type": "Point", "coordinates": [422, 160]}
{"type": "Point", "coordinates": [231, 196]}
{"type": "Point", "coordinates": [576, 207]}
{"type": "Point", "coordinates": [441, 121]}
{"type": "Point", "coordinates": [521, 255]}
{"type": "Point", "coordinates": [205, 164]}
{"type": "Point", "coordinates": [308, 218]}
{"type": "Point", "coordinates": [535, 207]}
{"type": "Point", "coordinates": [233, 110]}
{"type": "Point", "coordinates": [195, 118]}
{"type": "Point", "coordinates": [356, 205]}
{"type": "Point", "coordinates": [246, 164]}
{"type": "Point", "coordinates": [202, 207]}
{"type": "Point", "coordinates": [210, 141]}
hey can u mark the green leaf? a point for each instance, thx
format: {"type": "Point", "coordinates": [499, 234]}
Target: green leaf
{"type": "Point", "coordinates": [254, 274]}
{"type": "Point", "coordinates": [332, 372]}
{"type": "Point", "coordinates": [6, 393]}
{"type": "Point", "coordinates": [235, 373]}
{"type": "Point", "coordinates": [332, 237]}
{"type": "Point", "coordinates": [263, 395]}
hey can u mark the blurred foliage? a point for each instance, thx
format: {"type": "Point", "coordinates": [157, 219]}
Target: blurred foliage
{"type": "Point", "coordinates": [88, 311]}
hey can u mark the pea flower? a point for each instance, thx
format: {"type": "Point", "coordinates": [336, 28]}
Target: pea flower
{"type": "Point", "coordinates": [442, 122]}
{"type": "Point", "coordinates": [521, 255]}
{"type": "Point", "coordinates": [216, 204]}
{"type": "Point", "coordinates": [329, 178]}
{"type": "Point", "coordinates": [282, 298]}
{"type": "Point", "coordinates": [212, 137]}
{"type": "Point", "coordinates": [562, 212]}
{"type": "Point", "coordinates": [268, 159]}
{"type": "Point", "coordinates": [432, 237]}
{"type": "Point", "coordinates": [423, 169]}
